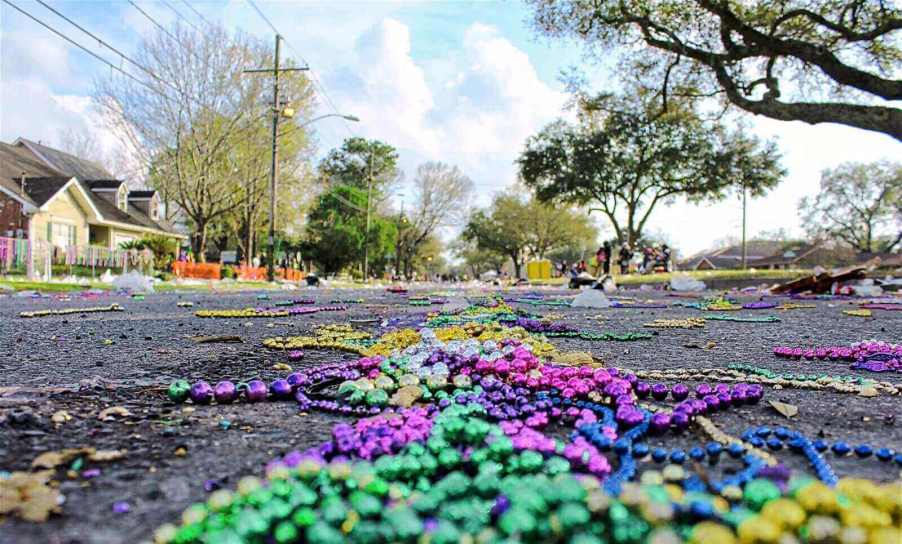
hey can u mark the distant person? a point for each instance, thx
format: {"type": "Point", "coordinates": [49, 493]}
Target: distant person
{"type": "Point", "coordinates": [626, 255]}
{"type": "Point", "coordinates": [648, 259]}
{"type": "Point", "coordinates": [665, 257]}
{"type": "Point", "coordinates": [600, 259]}
{"type": "Point", "coordinates": [606, 265]}
{"type": "Point", "coordinates": [582, 266]}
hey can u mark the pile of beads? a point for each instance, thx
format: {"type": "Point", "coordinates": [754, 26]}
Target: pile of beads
{"type": "Point", "coordinates": [469, 481]}
{"type": "Point", "coordinates": [68, 311]}
{"type": "Point", "coordinates": [689, 323]}
{"type": "Point", "coordinates": [460, 442]}
{"type": "Point", "coordinates": [338, 337]}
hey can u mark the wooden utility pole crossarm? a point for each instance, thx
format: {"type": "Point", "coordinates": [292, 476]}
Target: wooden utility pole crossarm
{"type": "Point", "coordinates": [276, 113]}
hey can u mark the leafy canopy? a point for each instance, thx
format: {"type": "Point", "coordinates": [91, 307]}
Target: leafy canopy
{"type": "Point", "coordinates": [858, 203]}
{"type": "Point", "coordinates": [814, 61]}
{"type": "Point", "coordinates": [625, 157]}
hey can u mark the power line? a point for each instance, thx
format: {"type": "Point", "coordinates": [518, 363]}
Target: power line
{"type": "Point", "coordinates": [199, 16]}
{"type": "Point", "coordinates": [179, 15]}
{"type": "Point", "coordinates": [108, 46]}
{"type": "Point", "coordinates": [158, 25]}
{"type": "Point", "coordinates": [315, 80]}
{"type": "Point", "coordinates": [83, 48]}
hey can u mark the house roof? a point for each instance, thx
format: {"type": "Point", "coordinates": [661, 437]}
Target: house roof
{"type": "Point", "coordinates": [64, 163]}
{"type": "Point", "coordinates": [16, 160]}
{"type": "Point", "coordinates": [141, 194]}
{"type": "Point", "coordinates": [42, 189]}
{"type": "Point", "coordinates": [787, 255]}
{"type": "Point", "coordinates": [104, 183]}
{"type": "Point", "coordinates": [134, 215]}
{"type": "Point", "coordinates": [48, 170]}
{"type": "Point", "coordinates": [14, 189]}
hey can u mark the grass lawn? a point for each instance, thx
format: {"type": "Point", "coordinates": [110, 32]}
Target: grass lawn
{"type": "Point", "coordinates": [703, 275]}
{"type": "Point", "coordinates": [206, 285]}
{"type": "Point", "coordinates": [49, 287]}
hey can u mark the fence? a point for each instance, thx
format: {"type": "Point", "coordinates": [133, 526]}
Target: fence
{"type": "Point", "coordinates": [36, 258]}
{"type": "Point", "coordinates": [200, 271]}
{"type": "Point", "coordinates": [258, 273]}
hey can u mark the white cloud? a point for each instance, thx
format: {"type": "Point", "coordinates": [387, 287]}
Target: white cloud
{"type": "Point", "coordinates": [807, 150]}
{"type": "Point", "coordinates": [473, 107]}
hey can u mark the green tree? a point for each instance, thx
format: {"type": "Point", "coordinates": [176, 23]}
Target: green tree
{"type": "Point", "coordinates": [792, 60]}
{"type": "Point", "coordinates": [362, 164]}
{"type": "Point", "coordinates": [518, 227]}
{"type": "Point", "coordinates": [625, 157]}
{"type": "Point", "coordinates": [858, 203]}
{"type": "Point", "coordinates": [200, 122]}
{"type": "Point", "coordinates": [441, 196]}
{"type": "Point", "coordinates": [502, 229]}
{"type": "Point", "coordinates": [475, 259]}
{"type": "Point", "coordinates": [554, 228]}
{"type": "Point", "coordinates": [335, 232]}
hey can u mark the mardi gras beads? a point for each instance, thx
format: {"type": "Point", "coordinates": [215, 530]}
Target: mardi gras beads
{"type": "Point", "coordinates": [689, 323]}
{"type": "Point", "coordinates": [741, 319]}
{"type": "Point", "coordinates": [244, 313]}
{"type": "Point", "coordinates": [68, 311]}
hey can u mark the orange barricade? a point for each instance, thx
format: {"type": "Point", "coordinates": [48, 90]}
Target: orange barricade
{"type": "Point", "coordinates": [202, 271]}
{"type": "Point", "coordinates": [291, 274]}
{"type": "Point", "coordinates": [258, 273]}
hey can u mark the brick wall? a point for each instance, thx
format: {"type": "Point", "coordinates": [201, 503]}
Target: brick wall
{"type": "Point", "coordinates": [11, 217]}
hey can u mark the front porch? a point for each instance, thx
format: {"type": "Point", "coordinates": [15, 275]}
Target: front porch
{"type": "Point", "coordinates": [111, 237]}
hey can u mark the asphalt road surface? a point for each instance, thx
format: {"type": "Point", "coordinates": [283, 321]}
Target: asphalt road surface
{"type": "Point", "coordinates": [84, 363]}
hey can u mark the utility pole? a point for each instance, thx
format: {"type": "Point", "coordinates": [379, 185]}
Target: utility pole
{"type": "Point", "coordinates": [274, 171]}
{"type": "Point", "coordinates": [744, 251]}
{"type": "Point", "coordinates": [366, 235]}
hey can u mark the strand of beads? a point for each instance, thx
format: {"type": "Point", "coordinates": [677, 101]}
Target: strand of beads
{"type": "Point", "coordinates": [759, 305]}
{"type": "Point", "coordinates": [688, 323]}
{"type": "Point", "coordinates": [297, 302]}
{"type": "Point", "coordinates": [871, 356]}
{"type": "Point", "coordinates": [245, 313]}
{"type": "Point", "coordinates": [602, 336]}
{"type": "Point", "coordinates": [729, 375]}
{"type": "Point", "coordinates": [858, 313]}
{"type": "Point", "coordinates": [775, 439]}
{"type": "Point", "coordinates": [741, 319]}
{"type": "Point", "coordinates": [68, 311]}
{"type": "Point", "coordinates": [857, 380]}
{"type": "Point", "coordinates": [795, 306]}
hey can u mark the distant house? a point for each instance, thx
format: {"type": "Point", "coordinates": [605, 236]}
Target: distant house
{"type": "Point", "coordinates": [49, 195]}
{"type": "Point", "coordinates": [731, 256]}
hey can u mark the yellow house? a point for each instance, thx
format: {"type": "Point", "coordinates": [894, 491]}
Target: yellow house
{"type": "Point", "coordinates": [52, 196]}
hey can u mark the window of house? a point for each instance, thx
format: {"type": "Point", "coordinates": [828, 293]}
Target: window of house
{"type": "Point", "coordinates": [123, 198]}
{"type": "Point", "coordinates": [62, 234]}
{"type": "Point", "coordinates": [154, 209]}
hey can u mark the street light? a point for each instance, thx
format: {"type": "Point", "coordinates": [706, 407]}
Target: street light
{"type": "Point", "coordinates": [271, 260]}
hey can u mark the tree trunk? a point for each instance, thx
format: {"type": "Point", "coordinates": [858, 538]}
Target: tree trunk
{"type": "Point", "coordinates": [199, 243]}
{"type": "Point", "coordinates": [515, 257]}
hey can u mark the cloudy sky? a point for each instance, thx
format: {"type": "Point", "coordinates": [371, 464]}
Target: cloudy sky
{"type": "Point", "coordinates": [465, 83]}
